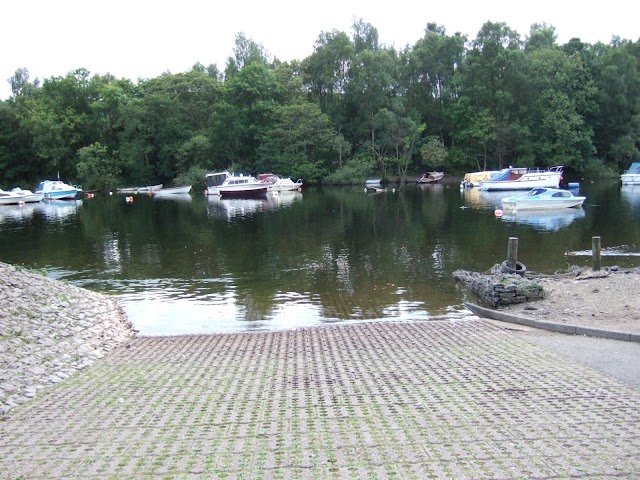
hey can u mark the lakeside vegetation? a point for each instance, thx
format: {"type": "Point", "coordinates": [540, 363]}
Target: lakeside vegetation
{"type": "Point", "coordinates": [351, 109]}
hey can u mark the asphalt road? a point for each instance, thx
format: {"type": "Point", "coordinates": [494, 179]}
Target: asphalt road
{"type": "Point", "coordinates": [617, 358]}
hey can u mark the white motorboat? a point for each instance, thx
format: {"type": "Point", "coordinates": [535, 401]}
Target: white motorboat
{"type": "Point", "coordinates": [277, 184]}
{"type": "Point", "coordinates": [10, 198]}
{"type": "Point", "coordinates": [523, 179]}
{"type": "Point", "coordinates": [28, 196]}
{"type": "Point", "coordinates": [632, 175]}
{"type": "Point", "coordinates": [163, 192]}
{"type": "Point", "coordinates": [58, 190]}
{"type": "Point", "coordinates": [542, 199]}
{"type": "Point", "coordinates": [242, 187]}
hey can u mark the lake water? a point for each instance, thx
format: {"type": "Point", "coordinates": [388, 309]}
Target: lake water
{"type": "Point", "coordinates": [197, 264]}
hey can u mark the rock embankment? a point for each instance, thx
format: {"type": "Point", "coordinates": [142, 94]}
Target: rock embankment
{"type": "Point", "coordinates": [49, 330]}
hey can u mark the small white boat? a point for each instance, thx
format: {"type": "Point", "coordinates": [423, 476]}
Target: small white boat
{"type": "Point", "coordinates": [430, 177]}
{"type": "Point", "coordinates": [542, 199]}
{"type": "Point", "coordinates": [10, 198]}
{"type": "Point", "coordinates": [28, 196]}
{"type": "Point", "coordinates": [632, 175]}
{"type": "Point", "coordinates": [523, 179]}
{"type": "Point", "coordinates": [242, 187]}
{"type": "Point", "coordinates": [163, 192]}
{"type": "Point", "coordinates": [277, 184]}
{"type": "Point", "coordinates": [146, 189]}
{"type": "Point", "coordinates": [58, 190]}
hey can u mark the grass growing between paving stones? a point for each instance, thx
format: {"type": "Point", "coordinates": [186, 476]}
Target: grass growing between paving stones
{"type": "Point", "coordinates": [404, 401]}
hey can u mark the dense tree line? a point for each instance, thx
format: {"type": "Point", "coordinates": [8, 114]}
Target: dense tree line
{"type": "Point", "coordinates": [351, 109]}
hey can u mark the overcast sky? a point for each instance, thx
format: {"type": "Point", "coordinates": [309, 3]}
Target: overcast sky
{"type": "Point", "coordinates": [139, 39]}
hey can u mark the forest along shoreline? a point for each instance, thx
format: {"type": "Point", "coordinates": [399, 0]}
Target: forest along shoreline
{"type": "Point", "coordinates": [49, 330]}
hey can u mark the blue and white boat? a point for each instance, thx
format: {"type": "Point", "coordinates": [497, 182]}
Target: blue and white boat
{"type": "Point", "coordinates": [543, 199]}
{"type": "Point", "coordinates": [631, 176]}
{"type": "Point", "coordinates": [58, 190]}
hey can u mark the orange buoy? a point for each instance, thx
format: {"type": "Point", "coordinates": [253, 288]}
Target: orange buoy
{"type": "Point", "coordinates": [498, 213]}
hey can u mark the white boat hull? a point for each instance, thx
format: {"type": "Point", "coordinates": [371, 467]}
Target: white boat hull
{"type": "Point", "coordinates": [541, 204]}
{"type": "Point", "coordinates": [243, 190]}
{"type": "Point", "coordinates": [630, 179]}
{"type": "Point", "coordinates": [542, 199]}
{"type": "Point", "coordinates": [526, 182]}
{"type": "Point", "coordinates": [172, 191]}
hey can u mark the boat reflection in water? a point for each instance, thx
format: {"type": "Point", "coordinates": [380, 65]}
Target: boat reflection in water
{"type": "Point", "coordinates": [59, 210]}
{"type": "Point", "coordinates": [482, 199]}
{"type": "Point", "coordinates": [51, 210]}
{"type": "Point", "coordinates": [231, 208]}
{"type": "Point", "coordinates": [631, 196]}
{"type": "Point", "coordinates": [175, 197]}
{"type": "Point", "coordinates": [18, 213]}
{"type": "Point", "coordinates": [552, 220]}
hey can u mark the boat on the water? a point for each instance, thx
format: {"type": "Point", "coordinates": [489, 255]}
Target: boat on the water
{"type": "Point", "coordinates": [542, 199]}
{"type": "Point", "coordinates": [241, 186]}
{"type": "Point", "coordinates": [632, 175]}
{"type": "Point", "coordinates": [10, 198]}
{"type": "Point", "coordinates": [523, 179]}
{"type": "Point", "coordinates": [134, 190]}
{"type": "Point", "coordinates": [473, 179]}
{"type": "Point", "coordinates": [278, 184]}
{"type": "Point", "coordinates": [430, 177]}
{"type": "Point", "coordinates": [58, 190]}
{"type": "Point", "coordinates": [27, 195]}
{"type": "Point", "coordinates": [163, 192]}
{"type": "Point", "coordinates": [214, 181]}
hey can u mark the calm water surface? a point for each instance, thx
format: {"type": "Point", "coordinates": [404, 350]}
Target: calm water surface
{"type": "Point", "coordinates": [197, 264]}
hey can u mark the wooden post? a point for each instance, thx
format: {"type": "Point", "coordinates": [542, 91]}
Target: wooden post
{"type": "Point", "coordinates": [512, 253]}
{"type": "Point", "coordinates": [596, 253]}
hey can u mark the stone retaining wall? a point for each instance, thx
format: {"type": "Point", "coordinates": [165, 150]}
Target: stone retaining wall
{"type": "Point", "coordinates": [500, 289]}
{"type": "Point", "coordinates": [49, 330]}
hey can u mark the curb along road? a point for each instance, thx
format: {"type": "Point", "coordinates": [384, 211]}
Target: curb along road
{"type": "Point", "coordinates": [568, 329]}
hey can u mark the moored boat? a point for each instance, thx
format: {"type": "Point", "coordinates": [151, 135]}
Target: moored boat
{"type": "Point", "coordinates": [523, 179]}
{"type": "Point", "coordinates": [182, 190]}
{"type": "Point", "coordinates": [242, 187]}
{"type": "Point", "coordinates": [145, 189]}
{"type": "Point", "coordinates": [473, 179]}
{"type": "Point", "coordinates": [10, 198]}
{"type": "Point", "coordinates": [542, 199]}
{"type": "Point", "coordinates": [214, 181]}
{"type": "Point", "coordinates": [58, 190]}
{"type": "Point", "coordinates": [430, 177]}
{"type": "Point", "coordinates": [632, 175]}
{"type": "Point", "coordinates": [278, 184]}
{"type": "Point", "coordinates": [28, 196]}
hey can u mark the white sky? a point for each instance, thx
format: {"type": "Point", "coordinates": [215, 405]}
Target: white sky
{"type": "Point", "coordinates": [142, 39]}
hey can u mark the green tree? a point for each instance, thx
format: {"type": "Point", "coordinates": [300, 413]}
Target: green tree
{"type": "Point", "coordinates": [97, 170]}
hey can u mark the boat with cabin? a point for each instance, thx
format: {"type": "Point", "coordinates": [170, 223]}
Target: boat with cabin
{"type": "Point", "coordinates": [632, 175]}
{"type": "Point", "coordinates": [543, 199]}
{"type": "Point", "coordinates": [58, 190]}
{"type": "Point", "coordinates": [242, 186]}
{"type": "Point", "coordinates": [520, 178]}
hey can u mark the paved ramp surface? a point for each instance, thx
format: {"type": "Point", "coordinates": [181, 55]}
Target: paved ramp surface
{"type": "Point", "coordinates": [443, 399]}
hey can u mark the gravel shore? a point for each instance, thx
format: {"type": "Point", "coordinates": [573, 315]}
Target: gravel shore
{"type": "Point", "coordinates": [49, 330]}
